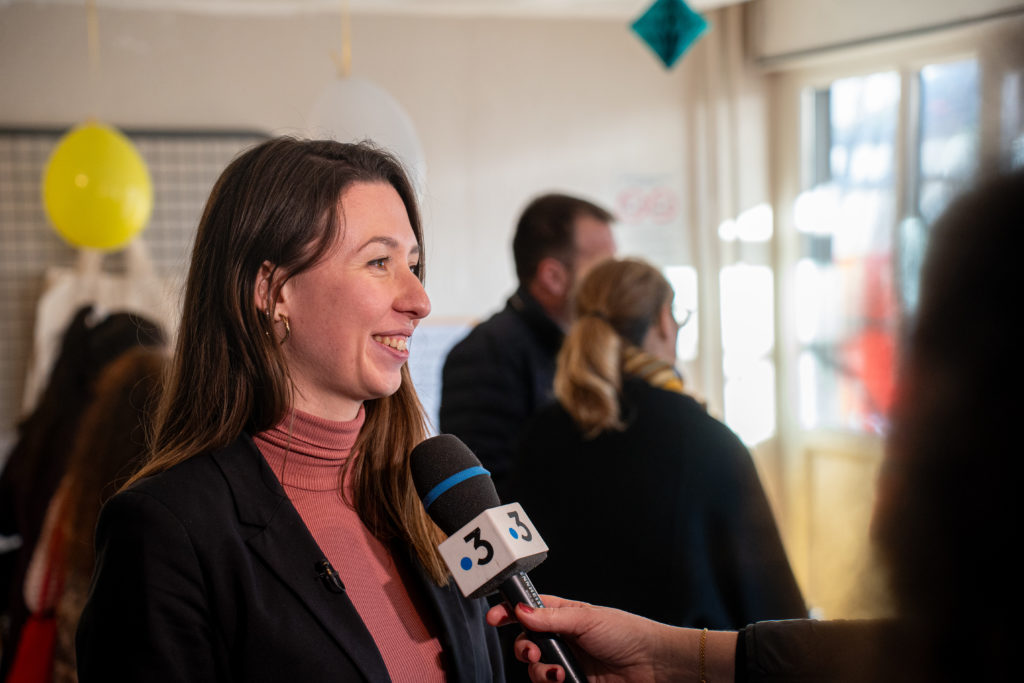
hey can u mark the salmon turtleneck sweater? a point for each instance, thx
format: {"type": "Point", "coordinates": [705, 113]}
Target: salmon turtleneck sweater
{"type": "Point", "coordinates": [307, 454]}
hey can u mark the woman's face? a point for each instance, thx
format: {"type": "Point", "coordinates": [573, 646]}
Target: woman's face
{"type": "Point", "coordinates": [352, 314]}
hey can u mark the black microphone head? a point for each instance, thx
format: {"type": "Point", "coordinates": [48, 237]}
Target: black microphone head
{"type": "Point", "coordinates": [451, 482]}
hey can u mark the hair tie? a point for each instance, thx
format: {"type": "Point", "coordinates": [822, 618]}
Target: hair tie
{"type": "Point", "coordinates": [596, 314]}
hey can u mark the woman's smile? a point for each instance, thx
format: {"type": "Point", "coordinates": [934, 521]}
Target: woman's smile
{"type": "Point", "coordinates": [398, 343]}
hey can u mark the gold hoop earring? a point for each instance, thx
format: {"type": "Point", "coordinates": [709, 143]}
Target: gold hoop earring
{"type": "Point", "coordinates": [287, 329]}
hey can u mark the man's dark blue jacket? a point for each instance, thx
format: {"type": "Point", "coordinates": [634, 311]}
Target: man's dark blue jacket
{"type": "Point", "coordinates": [496, 378]}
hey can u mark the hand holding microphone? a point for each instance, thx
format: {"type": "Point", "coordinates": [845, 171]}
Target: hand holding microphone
{"type": "Point", "coordinates": [490, 546]}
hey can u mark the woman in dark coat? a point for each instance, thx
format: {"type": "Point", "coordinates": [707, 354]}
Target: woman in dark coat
{"type": "Point", "coordinates": [647, 502]}
{"type": "Point", "coordinates": [275, 533]}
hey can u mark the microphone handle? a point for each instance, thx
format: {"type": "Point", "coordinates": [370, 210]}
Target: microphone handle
{"type": "Point", "coordinates": [518, 588]}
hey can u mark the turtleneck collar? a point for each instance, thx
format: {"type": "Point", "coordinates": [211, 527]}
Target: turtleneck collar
{"type": "Point", "coordinates": [307, 452]}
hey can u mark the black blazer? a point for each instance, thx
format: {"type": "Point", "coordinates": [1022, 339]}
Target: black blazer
{"type": "Point", "coordinates": [206, 572]}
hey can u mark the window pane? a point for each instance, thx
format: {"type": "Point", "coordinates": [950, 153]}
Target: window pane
{"type": "Point", "coordinates": [846, 314]}
{"type": "Point", "coordinates": [748, 337]}
{"type": "Point", "coordinates": [947, 157]}
{"type": "Point", "coordinates": [1013, 118]}
{"type": "Point", "coordinates": [862, 117]}
{"type": "Point", "coordinates": [948, 153]}
{"type": "Point", "coordinates": [748, 310]}
{"type": "Point", "coordinates": [750, 399]}
{"type": "Point", "coordinates": [684, 307]}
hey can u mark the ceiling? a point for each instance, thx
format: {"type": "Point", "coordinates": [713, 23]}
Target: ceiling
{"type": "Point", "coordinates": [524, 8]}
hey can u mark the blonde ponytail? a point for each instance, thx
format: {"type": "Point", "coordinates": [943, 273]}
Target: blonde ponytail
{"type": "Point", "coordinates": [615, 306]}
{"type": "Point", "coordinates": [589, 375]}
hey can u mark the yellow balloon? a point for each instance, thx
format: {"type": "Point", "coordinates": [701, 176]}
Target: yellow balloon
{"type": "Point", "coordinates": [96, 188]}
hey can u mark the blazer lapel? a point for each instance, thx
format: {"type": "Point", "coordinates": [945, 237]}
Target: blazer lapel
{"type": "Point", "coordinates": [449, 611]}
{"type": "Point", "coordinates": [283, 542]}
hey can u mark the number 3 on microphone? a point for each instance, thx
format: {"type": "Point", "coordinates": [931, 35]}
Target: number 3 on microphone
{"type": "Point", "coordinates": [526, 535]}
{"type": "Point", "coordinates": [478, 543]}
{"type": "Point", "coordinates": [484, 550]}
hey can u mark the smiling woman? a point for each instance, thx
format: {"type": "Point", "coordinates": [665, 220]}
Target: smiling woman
{"type": "Point", "coordinates": [275, 532]}
{"type": "Point", "coordinates": [354, 311]}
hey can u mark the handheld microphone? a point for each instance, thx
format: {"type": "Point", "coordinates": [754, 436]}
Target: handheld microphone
{"type": "Point", "coordinates": [490, 546]}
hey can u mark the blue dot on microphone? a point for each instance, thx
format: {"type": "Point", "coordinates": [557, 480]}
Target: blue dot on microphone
{"type": "Point", "coordinates": [466, 563]}
{"type": "Point", "coordinates": [514, 533]}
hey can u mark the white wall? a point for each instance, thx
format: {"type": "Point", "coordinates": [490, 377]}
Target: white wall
{"type": "Point", "coordinates": [505, 108]}
{"type": "Point", "coordinates": [786, 27]}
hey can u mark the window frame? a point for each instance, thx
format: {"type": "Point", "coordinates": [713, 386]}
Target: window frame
{"type": "Point", "coordinates": [793, 471]}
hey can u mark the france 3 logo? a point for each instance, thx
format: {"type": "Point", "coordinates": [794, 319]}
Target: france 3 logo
{"type": "Point", "coordinates": [496, 544]}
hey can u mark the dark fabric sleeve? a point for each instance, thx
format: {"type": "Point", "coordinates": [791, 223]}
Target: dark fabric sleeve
{"type": "Point", "coordinates": [751, 564]}
{"type": "Point", "coordinates": [740, 659]}
{"type": "Point", "coordinates": [810, 651]}
{"type": "Point", "coordinates": [486, 396]}
{"type": "Point", "coordinates": [146, 618]}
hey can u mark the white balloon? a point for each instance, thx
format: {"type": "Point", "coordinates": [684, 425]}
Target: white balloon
{"type": "Point", "coordinates": [353, 109]}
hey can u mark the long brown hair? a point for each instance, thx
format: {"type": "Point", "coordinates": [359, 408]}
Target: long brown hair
{"type": "Point", "coordinates": [278, 203]}
{"type": "Point", "coordinates": [615, 306]}
{"type": "Point", "coordinates": [108, 446]}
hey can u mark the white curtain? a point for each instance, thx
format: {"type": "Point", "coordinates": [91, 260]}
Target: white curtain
{"type": "Point", "coordinates": [725, 170]}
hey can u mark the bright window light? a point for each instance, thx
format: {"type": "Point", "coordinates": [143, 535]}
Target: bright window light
{"type": "Point", "coordinates": [750, 401]}
{"type": "Point", "coordinates": [808, 285]}
{"type": "Point", "coordinates": [684, 283]}
{"type": "Point", "coordinates": [755, 224]}
{"type": "Point", "coordinates": [748, 310]}
{"type": "Point", "coordinates": [807, 378]}
{"type": "Point", "coordinates": [816, 211]}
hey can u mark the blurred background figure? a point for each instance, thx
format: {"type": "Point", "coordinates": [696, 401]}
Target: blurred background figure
{"type": "Point", "coordinates": [110, 445]}
{"type": "Point", "coordinates": [496, 378]}
{"type": "Point", "coordinates": [45, 441]}
{"type": "Point", "coordinates": [647, 502]}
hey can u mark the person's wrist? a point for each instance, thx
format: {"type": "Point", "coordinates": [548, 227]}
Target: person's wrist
{"type": "Point", "coordinates": [679, 658]}
{"type": "Point", "coordinates": [720, 657]}
{"type": "Point", "coordinates": [675, 658]}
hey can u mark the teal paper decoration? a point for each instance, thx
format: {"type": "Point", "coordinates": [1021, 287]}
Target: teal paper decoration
{"type": "Point", "coordinates": [670, 27]}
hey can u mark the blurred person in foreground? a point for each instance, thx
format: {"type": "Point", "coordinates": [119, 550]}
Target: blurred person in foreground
{"type": "Point", "coordinates": [948, 503]}
{"type": "Point", "coordinates": [648, 503]}
{"type": "Point", "coordinates": [275, 533]}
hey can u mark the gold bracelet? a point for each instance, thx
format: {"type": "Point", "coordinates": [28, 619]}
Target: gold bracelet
{"type": "Point", "coordinates": [703, 648]}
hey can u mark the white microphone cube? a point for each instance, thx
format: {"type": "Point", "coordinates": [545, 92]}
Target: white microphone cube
{"type": "Point", "coordinates": [495, 545]}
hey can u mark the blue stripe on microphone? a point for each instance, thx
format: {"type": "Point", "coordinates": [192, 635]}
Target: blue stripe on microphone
{"type": "Point", "coordinates": [451, 481]}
